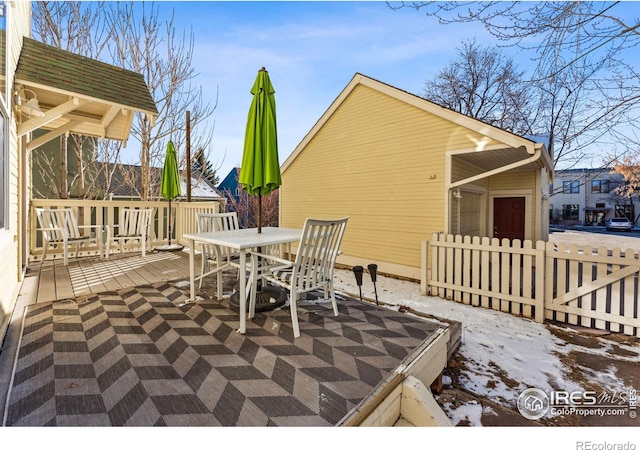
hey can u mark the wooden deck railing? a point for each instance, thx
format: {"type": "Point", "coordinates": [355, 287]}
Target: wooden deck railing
{"type": "Point", "coordinates": [107, 212]}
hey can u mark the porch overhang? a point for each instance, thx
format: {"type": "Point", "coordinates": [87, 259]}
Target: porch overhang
{"type": "Point", "coordinates": [78, 95]}
{"type": "Point", "coordinates": [491, 161]}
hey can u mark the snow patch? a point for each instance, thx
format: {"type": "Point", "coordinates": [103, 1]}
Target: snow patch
{"type": "Point", "coordinates": [504, 354]}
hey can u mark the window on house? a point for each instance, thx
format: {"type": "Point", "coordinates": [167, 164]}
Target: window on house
{"type": "Point", "coordinates": [570, 212]}
{"type": "Point", "coordinates": [600, 187]}
{"type": "Point", "coordinates": [600, 205]}
{"type": "Point", "coordinates": [570, 187]}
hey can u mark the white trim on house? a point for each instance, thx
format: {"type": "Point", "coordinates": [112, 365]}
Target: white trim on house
{"type": "Point", "coordinates": [528, 207]}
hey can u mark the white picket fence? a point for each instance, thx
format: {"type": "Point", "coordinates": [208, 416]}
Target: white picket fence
{"type": "Point", "coordinates": [596, 288]}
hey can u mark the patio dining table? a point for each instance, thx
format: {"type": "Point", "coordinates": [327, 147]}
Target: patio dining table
{"type": "Point", "coordinates": [243, 241]}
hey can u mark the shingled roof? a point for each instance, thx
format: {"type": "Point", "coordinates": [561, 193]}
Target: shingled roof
{"type": "Point", "coordinates": [45, 65]}
{"type": "Point", "coordinates": [125, 183]}
{"type": "Point", "coordinates": [78, 94]}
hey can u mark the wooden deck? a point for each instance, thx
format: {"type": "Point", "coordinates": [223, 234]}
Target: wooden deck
{"type": "Point", "coordinates": [52, 280]}
{"type": "Point", "coordinates": [186, 366]}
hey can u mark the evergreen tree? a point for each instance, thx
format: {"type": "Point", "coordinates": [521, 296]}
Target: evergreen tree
{"type": "Point", "coordinates": [203, 166]}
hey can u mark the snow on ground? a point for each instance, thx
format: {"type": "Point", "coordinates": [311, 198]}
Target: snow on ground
{"type": "Point", "coordinates": [498, 347]}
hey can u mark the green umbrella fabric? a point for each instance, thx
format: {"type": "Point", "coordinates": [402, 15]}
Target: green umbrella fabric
{"type": "Point", "coordinates": [170, 187]}
{"type": "Point", "coordinates": [260, 170]}
{"type": "Point", "coordinates": [170, 183]}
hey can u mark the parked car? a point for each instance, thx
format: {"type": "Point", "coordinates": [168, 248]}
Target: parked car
{"type": "Point", "coordinates": [619, 223]}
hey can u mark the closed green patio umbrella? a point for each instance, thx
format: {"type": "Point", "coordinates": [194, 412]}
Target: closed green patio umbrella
{"type": "Point", "coordinates": [260, 170]}
{"type": "Point", "coordinates": [170, 185]}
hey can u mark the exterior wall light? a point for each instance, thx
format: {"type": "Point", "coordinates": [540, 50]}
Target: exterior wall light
{"type": "Point", "coordinates": [29, 106]}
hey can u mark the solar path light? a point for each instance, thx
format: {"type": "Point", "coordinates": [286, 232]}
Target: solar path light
{"type": "Point", "coordinates": [357, 271]}
{"type": "Point", "coordinates": [373, 269]}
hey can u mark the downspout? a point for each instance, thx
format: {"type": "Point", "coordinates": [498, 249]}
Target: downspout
{"type": "Point", "coordinates": [536, 156]}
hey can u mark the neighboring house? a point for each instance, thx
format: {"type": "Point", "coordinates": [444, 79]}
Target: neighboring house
{"type": "Point", "coordinates": [229, 187]}
{"type": "Point", "coordinates": [125, 184]}
{"type": "Point", "coordinates": [45, 88]}
{"type": "Point", "coordinates": [201, 189]}
{"type": "Point", "coordinates": [245, 205]}
{"type": "Point", "coordinates": [587, 197]}
{"type": "Point", "coordinates": [47, 169]}
{"type": "Point", "coordinates": [403, 167]}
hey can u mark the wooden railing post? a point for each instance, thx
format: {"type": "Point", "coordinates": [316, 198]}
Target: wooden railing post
{"type": "Point", "coordinates": [424, 268]}
{"type": "Point", "coordinates": [540, 272]}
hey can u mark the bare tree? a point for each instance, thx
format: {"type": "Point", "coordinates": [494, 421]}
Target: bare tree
{"type": "Point", "coordinates": [139, 42]}
{"type": "Point", "coordinates": [247, 208]}
{"type": "Point", "coordinates": [71, 26]}
{"type": "Point", "coordinates": [132, 36]}
{"type": "Point", "coordinates": [484, 84]}
{"type": "Point", "coordinates": [588, 88]}
{"type": "Point", "coordinates": [628, 193]}
{"type": "Point", "coordinates": [68, 26]}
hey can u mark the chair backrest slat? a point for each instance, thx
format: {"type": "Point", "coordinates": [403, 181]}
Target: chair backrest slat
{"type": "Point", "coordinates": [60, 221]}
{"type": "Point", "coordinates": [134, 221]}
{"type": "Point", "coordinates": [213, 222]}
{"type": "Point", "coordinates": [317, 252]}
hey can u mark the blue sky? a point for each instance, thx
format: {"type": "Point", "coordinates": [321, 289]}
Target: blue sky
{"type": "Point", "coordinates": [311, 50]}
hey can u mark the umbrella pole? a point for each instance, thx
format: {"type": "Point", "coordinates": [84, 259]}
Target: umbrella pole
{"type": "Point", "coordinates": [169, 222]}
{"type": "Point", "coordinates": [259, 213]}
{"type": "Point", "coordinates": [259, 287]}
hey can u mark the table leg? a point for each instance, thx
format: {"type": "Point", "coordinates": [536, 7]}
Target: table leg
{"type": "Point", "coordinates": [242, 299]}
{"type": "Point", "coordinates": [192, 284]}
{"type": "Point", "coordinates": [106, 231]}
{"type": "Point", "coordinates": [219, 280]}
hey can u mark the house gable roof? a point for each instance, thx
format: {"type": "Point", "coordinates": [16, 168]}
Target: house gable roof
{"type": "Point", "coordinates": [80, 95]}
{"type": "Point", "coordinates": [231, 179]}
{"type": "Point", "coordinates": [500, 135]}
{"type": "Point", "coordinates": [125, 183]}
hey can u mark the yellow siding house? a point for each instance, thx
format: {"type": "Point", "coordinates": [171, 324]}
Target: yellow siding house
{"type": "Point", "coordinates": [16, 17]}
{"type": "Point", "coordinates": [403, 167]}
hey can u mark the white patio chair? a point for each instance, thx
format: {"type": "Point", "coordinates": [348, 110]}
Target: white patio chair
{"type": "Point", "coordinates": [312, 269]}
{"type": "Point", "coordinates": [212, 254]}
{"type": "Point", "coordinates": [60, 228]}
{"type": "Point", "coordinates": [134, 225]}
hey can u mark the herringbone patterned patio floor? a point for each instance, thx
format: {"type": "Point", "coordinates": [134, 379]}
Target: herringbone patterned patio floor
{"type": "Point", "coordinates": [141, 357]}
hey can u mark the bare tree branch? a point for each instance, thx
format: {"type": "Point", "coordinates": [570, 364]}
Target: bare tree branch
{"type": "Point", "coordinates": [588, 85]}
{"type": "Point", "coordinates": [484, 84]}
{"type": "Point", "coordinates": [132, 36]}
